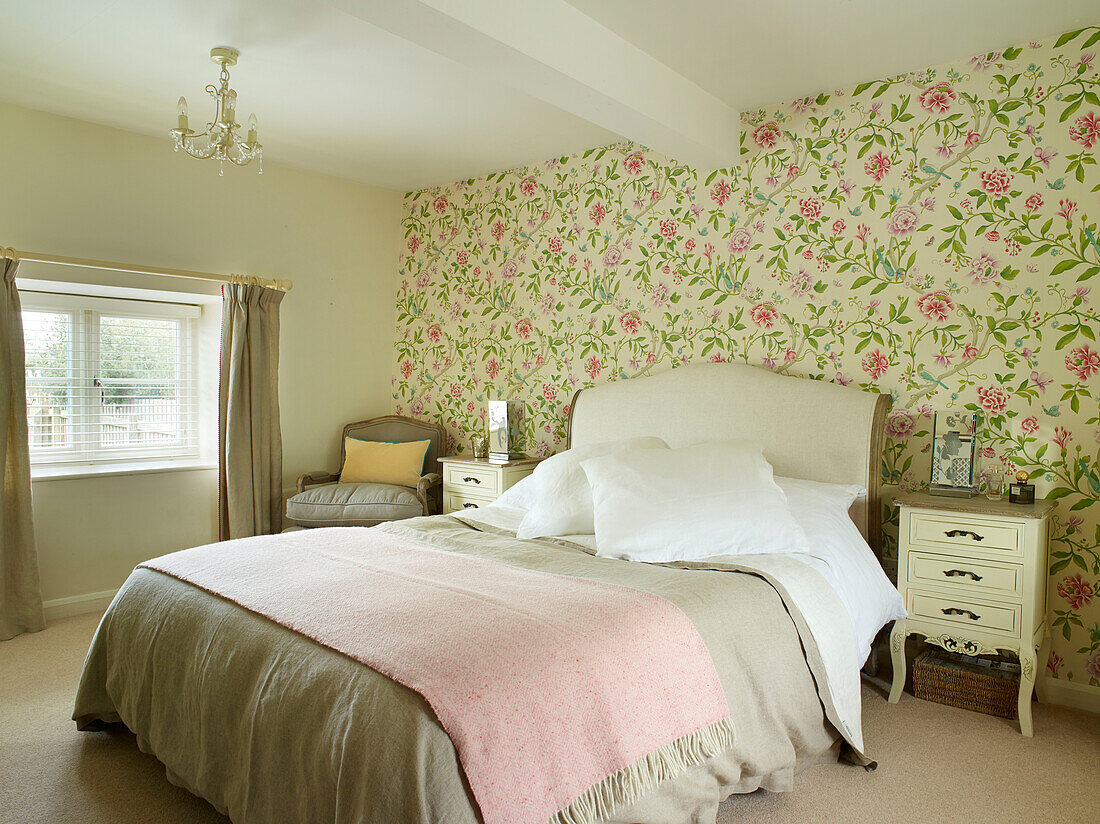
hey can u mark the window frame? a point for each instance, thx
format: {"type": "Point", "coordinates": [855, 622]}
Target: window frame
{"type": "Point", "coordinates": [86, 311]}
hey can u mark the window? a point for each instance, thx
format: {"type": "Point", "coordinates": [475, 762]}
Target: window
{"type": "Point", "coordinates": [110, 380]}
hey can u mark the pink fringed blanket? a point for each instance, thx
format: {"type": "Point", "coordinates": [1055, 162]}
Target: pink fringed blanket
{"type": "Point", "coordinates": [564, 697]}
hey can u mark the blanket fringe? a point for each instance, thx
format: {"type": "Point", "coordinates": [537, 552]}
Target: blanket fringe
{"type": "Point", "coordinates": [635, 780]}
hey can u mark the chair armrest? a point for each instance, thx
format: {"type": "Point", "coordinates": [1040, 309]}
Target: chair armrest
{"type": "Point", "coordinates": [426, 484]}
{"type": "Point", "coordinates": [314, 478]}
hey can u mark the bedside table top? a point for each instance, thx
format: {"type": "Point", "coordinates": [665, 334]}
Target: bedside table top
{"type": "Point", "coordinates": [978, 505]}
{"type": "Point", "coordinates": [487, 461]}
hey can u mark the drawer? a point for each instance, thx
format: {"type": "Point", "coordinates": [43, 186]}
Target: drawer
{"type": "Point", "coordinates": [473, 480]}
{"type": "Point", "coordinates": [975, 576]}
{"type": "Point", "coordinates": [457, 501]}
{"type": "Point", "coordinates": [962, 531]}
{"type": "Point", "coordinates": [964, 612]}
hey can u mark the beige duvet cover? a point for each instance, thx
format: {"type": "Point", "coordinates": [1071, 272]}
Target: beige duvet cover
{"type": "Point", "coordinates": [271, 727]}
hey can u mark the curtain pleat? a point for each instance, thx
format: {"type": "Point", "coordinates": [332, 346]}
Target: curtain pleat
{"type": "Point", "coordinates": [20, 595]}
{"type": "Point", "coordinates": [250, 454]}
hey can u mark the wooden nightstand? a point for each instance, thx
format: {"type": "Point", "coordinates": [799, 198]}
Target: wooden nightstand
{"type": "Point", "coordinates": [973, 574]}
{"type": "Point", "coordinates": [472, 482]}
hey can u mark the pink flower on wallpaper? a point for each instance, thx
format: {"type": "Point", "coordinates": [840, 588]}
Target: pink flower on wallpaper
{"type": "Point", "coordinates": [875, 364]}
{"type": "Point", "coordinates": [740, 241]}
{"type": "Point", "coordinates": [764, 315]}
{"type": "Point", "coordinates": [509, 270]}
{"type": "Point", "coordinates": [863, 231]}
{"type": "Point", "coordinates": [1061, 436]}
{"type": "Point", "coordinates": [593, 366]}
{"type": "Point", "coordinates": [417, 407]}
{"type": "Point", "coordinates": [993, 399]}
{"type": "Point", "coordinates": [440, 205]}
{"type": "Point", "coordinates": [1044, 156]}
{"type": "Point", "coordinates": [1029, 425]}
{"type": "Point", "coordinates": [492, 368]}
{"type": "Point", "coordinates": [550, 392]}
{"type": "Point", "coordinates": [597, 213]}
{"type": "Point", "coordinates": [523, 328]}
{"type": "Point", "coordinates": [634, 163]}
{"type": "Point", "coordinates": [1085, 130]}
{"type": "Point", "coordinates": [720, 192]}
{"type": "Point", "coordinates": [993, 235]}
{"type": "Point", "coordinates": [612, 257]}
{"type": "Point", "coordinates": [1054, 663]}
{"type": "Point", "coordinates": [1067, 209]}
{"type": "Point", "coordinates": [938, 99]}
{"type": "Point", "coordinates": [435, 333]}
{"type": "Point", "coordinates": [1033, 202]}
{"type": "Point", "coordinates": [456, 391]}
{"type": "Point", "coordinates": [972, 139]}
{"type": "Point", "coordinates": [719, 358]}
{"type": "Point", "coordinates": [528, 186]}
{"type": "Point", "coordinates": [406, 369]}
{"type": "Point", "coordinates": [766, 135]}
{"type": "Point", "coordinates": [996, 182]}
{"type": "Point", "coordinates": [631, 322]}
{"type": "Point", "coordinates": [838, 226]}
{"type": "Point", "coordinates": [935, 306]}
{"type": "Point", "coordinates": [810, 207]}
{"type": "Point", "coordinates": [903, 221]}
{"type": "Point", "coordinates": [983, 268]}
{"type": "Point", "coordinates": [498, 231]}
{"type": "Point", "coordinates": [970, 351]}
{"type": "Point", "coordinates": [1076, 590]}
{"type": "Point", "coordinates": [463, 258]}
{"type": "Point", "coordinates": [555, 245]}
{"type": "Point", "coordinates": [877, 166]}
{"type": "Point", "coordinates": [413, 244]}
{"type": "Point", "coordinates": [669, 228]}
{"type": "Point", "coordinates": [1083, 362]}
{"type": "Point", "coordinates": [689, 244]}
{"type": "Point", "coordinates": [1041, 380]}
{"type": "Point", "coordinates": [900, 424]}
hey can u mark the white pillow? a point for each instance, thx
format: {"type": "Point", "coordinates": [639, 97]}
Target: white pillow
{"type": "Point", "coordinates": [838, 551]}
{"type": "Point", "coordinates": [560, 501]}
{"type": "Point", "coordinates": [710, 499]}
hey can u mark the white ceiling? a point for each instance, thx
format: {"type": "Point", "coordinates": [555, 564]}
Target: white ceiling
{"type": "Point", "coordinates": [337, 94]}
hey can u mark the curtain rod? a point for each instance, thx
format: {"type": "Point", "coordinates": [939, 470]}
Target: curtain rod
{"type": "Point", "coordinates": [88, 263]}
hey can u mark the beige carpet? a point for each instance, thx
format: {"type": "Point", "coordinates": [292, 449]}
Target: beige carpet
{"type": "Point", "coordinates": [936, 764]}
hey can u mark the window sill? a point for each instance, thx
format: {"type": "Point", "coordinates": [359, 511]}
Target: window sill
{"type": "Point", "coordinates": [68, 472]}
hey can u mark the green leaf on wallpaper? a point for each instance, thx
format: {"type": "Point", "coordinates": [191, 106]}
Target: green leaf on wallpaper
{"type": "Point", "coordinates": [880, 90]}
{"type": "Point", "coordinates": [822, 99]}
{"type": "Point", "coordinates": [1095, 270]}
{"type": "Point", "coordinates": [862, 87]}
{"type": "Point", "coordinates": [1082, 504]}
{"type": "Point", "coordinates": [1070, 110]}
{"type": "Point", "coordinates": [1055, 568]}
{"type": "Point", "coordinates": [710, 177]}
{"type": "Point", "coordinates": [1065, 38]}
{"type": "Point", "coordinates": [1064, 266]}
{"type": "Point", "coordinates": [1012, 53]}
{"type": "Point", "coordinates": [1092, 40]}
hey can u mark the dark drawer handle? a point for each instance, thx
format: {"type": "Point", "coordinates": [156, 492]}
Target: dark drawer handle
{"type": "Point", "coordinates": [973, 616]}
{"type": "Point", "coordinates": [470, 480]}
{"type": "Point", "coordinates": [956, 533]}
{"type": "Point", "coordinates": [955, 573]}
{"type": "Point", "coordinates": [469, 506]}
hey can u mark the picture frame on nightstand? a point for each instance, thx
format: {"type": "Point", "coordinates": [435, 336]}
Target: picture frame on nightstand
{"type": "Point", "coordinates": [954, 454]}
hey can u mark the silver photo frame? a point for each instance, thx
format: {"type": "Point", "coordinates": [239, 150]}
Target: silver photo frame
{"type": "Point", "coordinates": [954, 454]}
{"type": "Point", "coordinates": [506, 422]}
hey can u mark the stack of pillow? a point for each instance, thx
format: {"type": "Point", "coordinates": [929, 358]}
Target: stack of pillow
{"type": "Point", "coordinates": [643, 501]}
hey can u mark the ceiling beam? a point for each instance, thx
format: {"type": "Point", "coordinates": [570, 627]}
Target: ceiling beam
{"type": "Point", "coordinates": [552, 51]}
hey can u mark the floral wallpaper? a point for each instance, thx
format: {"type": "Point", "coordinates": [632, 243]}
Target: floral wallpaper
{"type": "Point", "coordinates": [931, 235]}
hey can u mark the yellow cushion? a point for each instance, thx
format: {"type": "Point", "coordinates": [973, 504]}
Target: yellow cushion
{"type": "Point", "coordinates": [375, 462]}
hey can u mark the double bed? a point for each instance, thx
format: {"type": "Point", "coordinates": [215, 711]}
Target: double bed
{"type": "Point", "coordinates": [270, 724]}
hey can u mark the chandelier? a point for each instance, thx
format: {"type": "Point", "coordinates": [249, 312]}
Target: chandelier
{"type": "Point", "coordinates": [221, 140]}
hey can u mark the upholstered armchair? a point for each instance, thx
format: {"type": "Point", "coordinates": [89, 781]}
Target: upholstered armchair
{"type": "Point", "coordinates": [321, 500]}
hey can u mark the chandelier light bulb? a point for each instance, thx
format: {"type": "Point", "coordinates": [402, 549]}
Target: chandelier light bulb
{"type": "Point", "coordinates": [181, 110]}
{"type": "Point", "coordinates": [230, 106]}
{"type": "Point", "coordinates": [252, 128]}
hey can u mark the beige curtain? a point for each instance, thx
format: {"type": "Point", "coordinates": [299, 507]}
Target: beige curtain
{"type": "Point", "coordinates": [20, 597]}
{"type": "Point", "coordinates": [250, 455]}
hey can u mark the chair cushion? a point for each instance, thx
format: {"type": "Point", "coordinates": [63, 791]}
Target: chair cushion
{"type": "Point", "coordinates": [375, 462]}
{"type": "Point", "coordinates": [353, 505]}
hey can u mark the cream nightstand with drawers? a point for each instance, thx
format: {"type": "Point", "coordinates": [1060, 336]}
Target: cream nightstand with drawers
{"type": "Point", "coordinates": [471, 482]}
{"type": "Point", "coordinates": [973, 574]}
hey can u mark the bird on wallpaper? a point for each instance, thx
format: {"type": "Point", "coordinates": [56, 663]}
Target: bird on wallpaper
{"type": "Point", "coordinates": [928, 376]}
{"type": "Point", "coordinates": [856, 211]}
{"type": "Point", "coordinates": [1086, 470]}
{"type": "Point", "coordinates": [725, 276]}
{"type": "Point", "coordinates": [1060, 183]}
{"type": "Point", "coordinates": [1092, 238]}
{"type": "Point", "coordinates": [1053, 411]}
{"type": "Point", "coordinates": [932, 170]}
{"type": "Point", "coordinates": [761, 196]}
{"type": "Point", "coordinates": [889, 269]}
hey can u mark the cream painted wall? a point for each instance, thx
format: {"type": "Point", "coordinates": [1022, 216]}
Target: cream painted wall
{"type": "Point", "coordinates": [75, 188]}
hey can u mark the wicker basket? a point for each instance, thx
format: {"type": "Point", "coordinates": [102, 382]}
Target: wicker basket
{"type": "Point", "coordinates": [951, 679]}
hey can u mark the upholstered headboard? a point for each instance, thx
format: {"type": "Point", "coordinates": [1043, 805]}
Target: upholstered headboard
{"type": "Point", "coordinates": [809, 429]}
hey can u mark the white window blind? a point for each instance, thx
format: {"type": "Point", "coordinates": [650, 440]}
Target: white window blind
{"type": "Point", "coordinates": [110, 379]}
